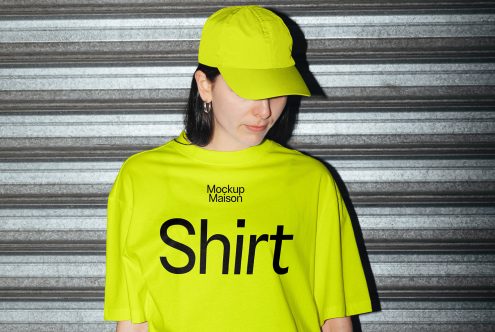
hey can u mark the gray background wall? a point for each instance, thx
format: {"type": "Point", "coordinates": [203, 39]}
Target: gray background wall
{"type": "Point", "coordinates": [407, 122]}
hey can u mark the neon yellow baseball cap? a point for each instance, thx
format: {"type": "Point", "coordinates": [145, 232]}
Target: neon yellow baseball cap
{"type": "Point", "coordinates": [251, 47]}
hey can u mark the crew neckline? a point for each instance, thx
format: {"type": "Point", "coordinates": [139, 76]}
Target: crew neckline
{"type": "Point", "coordinates": [239, 157]}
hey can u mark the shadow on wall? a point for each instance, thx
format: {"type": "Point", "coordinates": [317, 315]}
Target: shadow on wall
{"type": "Point", "coordinates": [299, 50]}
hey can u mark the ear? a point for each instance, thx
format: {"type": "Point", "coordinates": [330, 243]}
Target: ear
{"type": "Point", "coordinates": [204, 86]}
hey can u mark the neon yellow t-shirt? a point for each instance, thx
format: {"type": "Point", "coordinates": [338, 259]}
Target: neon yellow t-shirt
{"type": "Point", "coordinates": [251, 240]}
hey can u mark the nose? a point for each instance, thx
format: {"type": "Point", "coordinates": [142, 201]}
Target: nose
{"type": "Point", "coordinates": [262, 109]}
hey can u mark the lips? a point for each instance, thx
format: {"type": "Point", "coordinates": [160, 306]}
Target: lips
{"type": "Point", "coordinates": [256, 128]}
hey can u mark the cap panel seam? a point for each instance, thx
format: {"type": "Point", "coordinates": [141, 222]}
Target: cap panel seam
{"type": "Point", "coordinates": [262, 23]}
{"type": "Point", "coordinates": [266, 34]}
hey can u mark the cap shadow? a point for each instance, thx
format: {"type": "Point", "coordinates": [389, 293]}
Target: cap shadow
{"type": "Point", "coordinates": [299, 54]}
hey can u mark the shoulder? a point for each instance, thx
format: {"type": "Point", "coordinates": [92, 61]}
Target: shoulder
{"type": "Point", "coordinates": [295, 158]}
{"type": "Point", "coordinates": [141, 160]}
{"type": "Point", "coordinates": [305, 170]}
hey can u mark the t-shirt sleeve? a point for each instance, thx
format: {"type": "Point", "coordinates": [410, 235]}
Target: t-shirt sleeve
{"type": "Point", "coordinates": [119, 211]}
{"type": "Point", "coordinates": [340, 285]}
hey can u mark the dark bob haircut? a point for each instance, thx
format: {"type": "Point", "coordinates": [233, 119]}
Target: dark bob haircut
{"type": "Point", "coordinates": [199, 125]}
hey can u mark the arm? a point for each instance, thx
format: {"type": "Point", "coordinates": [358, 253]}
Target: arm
{"type": "Point", "coordinates": [343, 324]}
{"type": "Point", "coordinates": [127, 326]}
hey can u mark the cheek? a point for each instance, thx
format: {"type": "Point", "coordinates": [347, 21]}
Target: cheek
{"type": "Point", "coordinates": [226, 101]}
{"type": "Point", "coordinates": [227, 109]}
{"type": "Point", "coordinates": [277, 106]}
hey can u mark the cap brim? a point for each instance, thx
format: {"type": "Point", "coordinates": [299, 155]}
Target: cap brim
{"type": "Point", "coordinates": [265, 83]}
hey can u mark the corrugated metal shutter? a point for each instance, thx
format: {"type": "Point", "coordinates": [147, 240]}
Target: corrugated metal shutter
{"type": "Point", "coordinates": [407, 122]}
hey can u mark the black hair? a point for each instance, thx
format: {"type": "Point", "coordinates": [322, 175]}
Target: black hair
{"type": "Point", "coordinates": [199, 125]}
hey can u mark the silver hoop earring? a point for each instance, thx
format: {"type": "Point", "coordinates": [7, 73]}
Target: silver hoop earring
{"type": "Point", "coordinates": [207, 107]}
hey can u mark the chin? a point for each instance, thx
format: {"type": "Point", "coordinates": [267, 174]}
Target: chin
{"type": "Point", "coordinates": [253, 140]}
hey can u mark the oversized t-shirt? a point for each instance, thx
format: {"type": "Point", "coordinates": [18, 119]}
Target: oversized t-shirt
{"type": "Point", "coordinates": [252, 240]}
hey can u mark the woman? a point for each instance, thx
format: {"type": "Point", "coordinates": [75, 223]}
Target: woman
{"type": "Point", "coordinates": [222, 229]}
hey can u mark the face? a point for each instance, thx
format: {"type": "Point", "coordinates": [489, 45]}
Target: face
{"type": "Point", "coordinates": [239, 123]}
